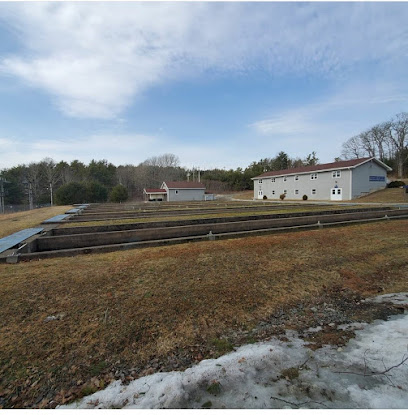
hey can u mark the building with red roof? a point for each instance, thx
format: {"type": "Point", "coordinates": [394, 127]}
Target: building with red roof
{"type": "Point", "coordinates": [177, 192]}
{"type": "Point", "coordinates": [341, 180]}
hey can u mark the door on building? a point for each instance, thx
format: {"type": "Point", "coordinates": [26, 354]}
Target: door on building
{"type": "Point", "coordinates": [260, 194]}
{"type": "Point", "coordinates": [336, 193]}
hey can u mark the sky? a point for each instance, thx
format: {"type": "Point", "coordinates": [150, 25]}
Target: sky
{"type": "Point", "coordinates": [220, 85]}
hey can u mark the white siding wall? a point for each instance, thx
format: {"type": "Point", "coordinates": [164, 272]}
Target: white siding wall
{"type": "Point", "coordinates": [185, 194]}
{"type": "Point", "coordinates": [361, 178]}
{"type": "Point", "coordinates": [272, 188]}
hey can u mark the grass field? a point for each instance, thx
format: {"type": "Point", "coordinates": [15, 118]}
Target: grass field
{"type": "Point", "coordinates": [14, 222]}
{"type": "Point", "coordinates": [138, 311]}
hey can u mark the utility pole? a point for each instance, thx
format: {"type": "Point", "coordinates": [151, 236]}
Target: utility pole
{"type": "Point", "coordinates": [30, 196]}
{"type": "Point", "coordinates": [29, 190]}
{"type": "Point", "coordinates": [2, 195]}
{"type": "Point", "coordinates": [51, 194]}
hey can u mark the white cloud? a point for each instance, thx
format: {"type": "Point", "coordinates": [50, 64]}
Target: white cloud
{"type": "Point", "coordinates": [95, 58]}
{"type": "Point", "coordinates": [324, 125]}
{"type": "Point", "coordinates": [289, 123]}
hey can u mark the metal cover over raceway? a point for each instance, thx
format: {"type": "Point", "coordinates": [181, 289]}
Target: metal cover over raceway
{"type": "Point", "coordinates": [56, 219]}
{"type": "Point", "coordinates": [18, 237]}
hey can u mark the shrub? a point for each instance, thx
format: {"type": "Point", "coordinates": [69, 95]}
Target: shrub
{"type": "Point", "coordinates": [75, 192]}
{"type": "Point", "coordinates": [396, 183]}
{"type": "Point", "coordinates": [304, 197]}
{"type": "Point", "coordinates": [119, 194]}
{"type": "Point", "coordinates": [282, 196]}
{"type": "Point", "coordinates": [96, 192]}
{"type": "Point", "coordinates": [71, 193]}
{"type": "Point", "coordinates": [265, 197]}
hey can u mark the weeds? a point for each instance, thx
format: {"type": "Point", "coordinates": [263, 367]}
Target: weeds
{"type": "Point", "coordinates": [223, 345]}
{"type": "Point", "coordinates": [214, 388]}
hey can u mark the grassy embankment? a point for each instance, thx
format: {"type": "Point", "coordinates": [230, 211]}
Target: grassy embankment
{"type": "Point", "coordinates": [385, 196]}
{"type": "Point", "coordinates": [123, 309]}
{"type": "Point", "coordinates": [14, 222]}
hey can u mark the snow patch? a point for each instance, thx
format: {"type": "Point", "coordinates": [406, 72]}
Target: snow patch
{"type": "Point", "coordinates": [394, 298]}
{"type": "Point", "coordinates": [277, 374]}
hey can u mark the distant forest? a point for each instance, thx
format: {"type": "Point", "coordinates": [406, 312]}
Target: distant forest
{"type": "Point", "coordinates": [100, 180]}
{"type": "Point", "coordinates": [77, 182]}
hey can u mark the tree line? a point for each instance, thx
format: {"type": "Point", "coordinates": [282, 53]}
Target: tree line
{"type": "Point", "coordinates": [99, 181]}
{"type": "Point", "coordinates": [49, 182]}
{"type": "Point", "coordinates": [240, 179]}
{"type": "Point", "coordinates": [387, 141]}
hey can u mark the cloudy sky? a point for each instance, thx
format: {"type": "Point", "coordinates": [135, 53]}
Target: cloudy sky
{"type": "Point", "coordinates": [218, 84]}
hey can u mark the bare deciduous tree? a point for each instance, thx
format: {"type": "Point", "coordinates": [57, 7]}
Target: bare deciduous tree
{"type": "Point", "coordinates": [368, 143]}
{"type": "Point", "coordinates": [51, 174]}
{"type": "Point", "coordinates": [352, 148]}
{"type": "Point", "coordinates": [33, 176]}
{"type": "Point", "coordinates": [399, 138]}
{"type": "Point", "coordinates": [387, 141]}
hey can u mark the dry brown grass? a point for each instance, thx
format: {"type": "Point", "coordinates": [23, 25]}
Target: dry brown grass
{"type": "Point", "coordinates": [245, 195]}
{"type": "Point", "coordinates": [124, 308]}
{"type": "Point", "coordinates": [14, 222]}
{"type": "Point", "coordinates": [385, 196]}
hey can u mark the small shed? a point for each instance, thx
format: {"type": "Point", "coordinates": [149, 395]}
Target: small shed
{"type": "Point", "coordinates": [154, 195]}
{"type": "Point", "coordinates": [184, 191]}
{"type": "Point", "coordinates": [177, 192]}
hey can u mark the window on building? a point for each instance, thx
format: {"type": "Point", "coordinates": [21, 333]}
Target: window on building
{"type": "Point", "coordinates": [260, 181]}
{"type": "Point", "coordinates": [273, 180]}
{"type": "Point", "coordinates": [296, 178]}
{"type": "Point", "coordinates": [313, 191]}
{"type": "Point", "coordinates": [336, 173]}
{"type": "Point", "coordinates": [285, 192]}
{"type": "Point", "coordinates": [284, 178]}
{"type": "Point", "coordinates": [313, 176]}
{"type": "Point", "coordinates": [176, 192]}
{"type": "Point", "coordinates": [333, 191]}
{"type": "Point", "coordinates": [273, 192]}
{"type": "Point", "coordinates": [296, 192]}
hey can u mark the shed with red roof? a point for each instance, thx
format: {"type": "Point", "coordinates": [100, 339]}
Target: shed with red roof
{"type": "Point", "coordinates": [177, 192]}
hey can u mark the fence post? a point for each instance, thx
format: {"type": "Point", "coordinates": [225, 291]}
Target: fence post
{"type": "Point", "coordinates": [211, 236]}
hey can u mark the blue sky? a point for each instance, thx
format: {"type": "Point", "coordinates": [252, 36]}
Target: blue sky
{"type": "Point", "coordinates": [218, 84]}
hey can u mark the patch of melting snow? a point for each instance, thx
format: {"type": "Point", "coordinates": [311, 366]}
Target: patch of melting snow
{"type": "Point", "coordinates": [368, 373]}
{"type": "Point", "coordinates": [394, 298]}
{"type": "Point", "coordinates": [314, 329]}
{"type": "Point", "coordinates": [352, 326]}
